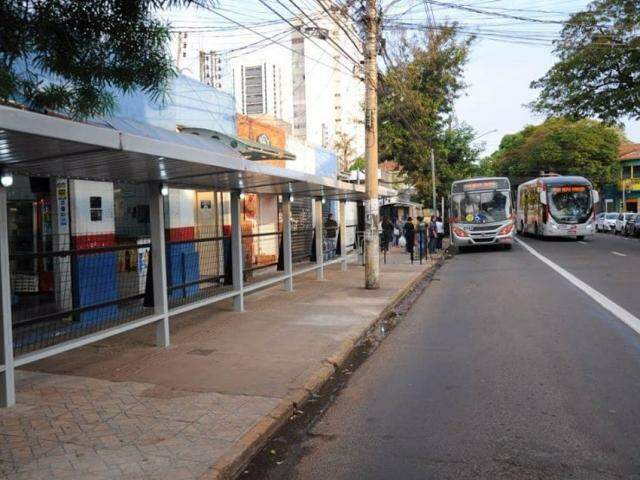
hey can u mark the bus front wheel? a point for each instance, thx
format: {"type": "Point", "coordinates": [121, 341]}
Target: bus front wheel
{"type": "Point", "coordinates": [507, 246]}
{"type": "Point", "coordinates": [580, 238]}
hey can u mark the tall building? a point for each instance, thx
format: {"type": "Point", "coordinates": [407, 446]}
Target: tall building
{"type": "Point", "coordinates": [301, 78]}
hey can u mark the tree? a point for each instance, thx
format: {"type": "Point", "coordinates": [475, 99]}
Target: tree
{"type": "Point", "coordinates": [599, 61]}
{"type": "Point", "coordinates": [585, 147]}
{"type": "Point", "coordinates": [422, 80]}
{"type": "Point", "coordinates": [65, 55]}
{"type": "Point", "coordinates": [343, 145]}
{"type": "Point", "coordinates": [358, 164]}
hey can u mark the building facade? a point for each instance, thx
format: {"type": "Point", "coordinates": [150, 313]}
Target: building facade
{"type": "Point", "coordinates": [301, 78]}
{"type": "Point", "coordinates": [624, 195]}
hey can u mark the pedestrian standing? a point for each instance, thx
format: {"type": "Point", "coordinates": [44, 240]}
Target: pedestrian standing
{"type": "Point", "coordinates": [398, 230]}
{"type": "Point", "coordinates": [331, 232]}
{"type": "Point", "coordinates": [432, 231]}
{"type": "Point", "coordinates": [387, 232]}
{"type": "Point", "coordinates": [440, 229]}
{"type": "Point", "coordinates": [409, 235]}
{"type": "Point", "coordinates": [422, 237]}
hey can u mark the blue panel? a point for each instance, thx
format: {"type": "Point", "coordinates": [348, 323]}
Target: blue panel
{"type": "Point", "coordinates": [189, 103]}
{"type": "Point", "coordinates": [183, 266]}
{"type": "Point", "coordinates": [191, 271]}
{"type": "Point", "coordinates": [326, 163]}
{"type": "Point", "coordinates": [95, 282]}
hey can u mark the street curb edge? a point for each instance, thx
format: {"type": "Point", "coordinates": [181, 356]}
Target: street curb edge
{"type": "Point", "coordinates": [240, 454]}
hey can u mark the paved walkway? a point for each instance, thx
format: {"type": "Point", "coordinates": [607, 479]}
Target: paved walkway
{"type": "Point", "coordinates": [123, 408]}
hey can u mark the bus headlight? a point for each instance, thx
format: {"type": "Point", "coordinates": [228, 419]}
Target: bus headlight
{"type": "Point", "coordinates": [459, 232]}
{"type": "Point", "coordinates": [506, 230]}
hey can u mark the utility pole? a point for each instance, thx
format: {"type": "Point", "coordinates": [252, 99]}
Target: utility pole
{"type": "Point", "coordinates": [372, 210]}
{"type": "Point", "coordinates": [433, 183]}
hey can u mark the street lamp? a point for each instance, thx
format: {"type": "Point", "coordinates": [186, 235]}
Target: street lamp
{"type": "Point", "coordinates": [483, 134]}
{"type": "Point", "coordinates": [6, 179]}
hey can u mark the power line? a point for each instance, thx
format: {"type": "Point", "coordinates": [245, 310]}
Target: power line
{"type": "Point", "coordinates": [328, 12]}
{"type": "Point", "coordinates": [302, 33]}
{"type": "Point", "coordinates": [318, 26]}
{"type": "Point", "coordinates": [256, 32]}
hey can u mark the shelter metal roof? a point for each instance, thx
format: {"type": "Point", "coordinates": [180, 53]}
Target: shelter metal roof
{"type": "Point", "coordinates": [249, 149]}
{"type": "Point", "coordinates": [42, 145]}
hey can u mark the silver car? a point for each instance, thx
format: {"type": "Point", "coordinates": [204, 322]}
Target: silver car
{"type": "Point", "coordinates": [621, 222]}
{"type": "Point", "coordinates": [606, 222]}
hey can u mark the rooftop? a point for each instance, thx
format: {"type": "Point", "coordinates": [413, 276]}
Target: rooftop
{"type": "Point", "coordinates": [630, 151]}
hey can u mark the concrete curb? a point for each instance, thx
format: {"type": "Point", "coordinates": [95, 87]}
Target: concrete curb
{"type": "Point", "coordinates": [235, 459]}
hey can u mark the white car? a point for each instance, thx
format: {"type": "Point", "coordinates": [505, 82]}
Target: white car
{"type": "Point", "coordinates": [606, 222]}
{"type": "Point", "coordinates": [621, 222]}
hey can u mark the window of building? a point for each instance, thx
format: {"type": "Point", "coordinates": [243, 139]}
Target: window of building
{"type": "Point", "coordinates": [627, 171]}
{"type": "Point", "coordinates": [253, 90]}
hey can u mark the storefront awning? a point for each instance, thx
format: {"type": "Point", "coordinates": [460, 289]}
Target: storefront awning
{"type": "Point", "coordinates": [42, 145]}
{"type": "Point", "coordinates": [249, 149]}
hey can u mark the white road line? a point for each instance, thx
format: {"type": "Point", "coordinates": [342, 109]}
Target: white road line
{"type": "Point", "coordinates": [619, 254]}
{"type": "Point", "coordinates": [582, 243]}
{"type": "Point", "coordinates": [622, 314]}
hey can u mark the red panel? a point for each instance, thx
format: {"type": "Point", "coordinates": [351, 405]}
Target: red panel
{"type": "Point", "coordinates": [83, 242]}
{"type": "Point", "coordinates": [181, 234]}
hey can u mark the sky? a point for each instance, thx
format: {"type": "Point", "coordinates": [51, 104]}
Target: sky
{"type": "Point", "coordinates": [507, 55]}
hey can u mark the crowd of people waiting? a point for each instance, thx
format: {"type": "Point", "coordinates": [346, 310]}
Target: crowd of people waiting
{"type": "Point", "coordinates": [421, 237]}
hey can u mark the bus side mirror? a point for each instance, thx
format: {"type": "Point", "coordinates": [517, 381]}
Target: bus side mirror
{"type": "Point", "coordinates": [596, 196]}
{"type": "Point", "coordinates": [543, 197]}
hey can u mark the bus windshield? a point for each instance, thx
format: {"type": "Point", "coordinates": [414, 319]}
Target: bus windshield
{"type": "Point", "coordinates": [481, 207]}
{"type": "Point", "coordinates": [570, 204]}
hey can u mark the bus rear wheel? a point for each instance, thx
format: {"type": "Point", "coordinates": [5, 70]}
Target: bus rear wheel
{"type": "Point", "coordinates": [580, 238]}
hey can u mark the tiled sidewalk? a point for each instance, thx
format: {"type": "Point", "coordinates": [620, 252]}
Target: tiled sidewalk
{"type": "Point", "coordinates": [125, 409]}
{"type": "Point", "coordinates": [77, 427]}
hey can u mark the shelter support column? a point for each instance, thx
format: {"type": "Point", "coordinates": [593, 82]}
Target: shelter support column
{"type": "Point", "coordinates": [236, 251]}
{"type": "Point", "coordinates": [343, 235]}
{"type": "Point", "coordinates": [159, 264]}
{"type": "Point", "coordinates": [7, 379]}
{"type": "Point", "coordinates": [286, 243]}
{"type": "Point", "coordinates": [319, 232]}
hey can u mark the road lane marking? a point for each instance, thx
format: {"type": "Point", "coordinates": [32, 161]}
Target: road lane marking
{"type": "Point", "coordinates": [582, 243]}
{"type": "Point", "coordinates": [619, 254]}
{"type": "Point", "coordinates": [624, 315]}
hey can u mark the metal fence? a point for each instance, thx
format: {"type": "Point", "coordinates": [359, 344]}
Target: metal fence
{"type": "Point", "coordinates": [198, 268]}
{"type": "Point", "coordinates": [64, 287]}
{"type": "Point", "coordinates": [65, 293]}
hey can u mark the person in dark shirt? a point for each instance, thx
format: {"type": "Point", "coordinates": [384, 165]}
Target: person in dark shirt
{"type": "Point", "coordinates": [387, 233]}
{"type": "Point", "coordinates": [331, 233]}
{"type": "Point", "coordinates": [410, 235]}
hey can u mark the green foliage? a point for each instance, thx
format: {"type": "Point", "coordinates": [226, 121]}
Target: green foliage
{"type": "Point", "coordinates": [65, 55]}
{"type": "Point", "coordinates": [415, 105]}
{"type": "Point", "coordinates": [358, 164]}
{"type": "Point", "coordinates": [585, 147]}
{"type": "Point", "coordinates": [599, 61]}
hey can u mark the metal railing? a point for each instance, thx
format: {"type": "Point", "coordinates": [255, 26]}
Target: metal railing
{"type": "Point", "coordinates": [74, 292]}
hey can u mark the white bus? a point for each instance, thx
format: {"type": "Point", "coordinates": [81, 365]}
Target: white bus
{"type": "Point", "coordinates": [557, 206]}
{"type": "Point", "coordinates": [481, 213]}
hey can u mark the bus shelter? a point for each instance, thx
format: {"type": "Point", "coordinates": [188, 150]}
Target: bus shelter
{"type": "Point", "coordinates": [102, 302]}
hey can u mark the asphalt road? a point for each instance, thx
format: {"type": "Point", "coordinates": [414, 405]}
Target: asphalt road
{"type": "Point", "coordinates": [503, 369]}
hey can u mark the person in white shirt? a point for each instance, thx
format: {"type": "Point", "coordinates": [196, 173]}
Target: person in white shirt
{"type": "Point", "coordinates": [440, 230]}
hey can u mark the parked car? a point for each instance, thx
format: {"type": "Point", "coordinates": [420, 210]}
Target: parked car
{"type": "Point", "coordinates": [606, 222]}
{"type": "Point", "coordinates": [630, 225]}
{"type": "Point", "coordinates": [633, 226]}
{"type": "Point", "coordinates": [621, 222]}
